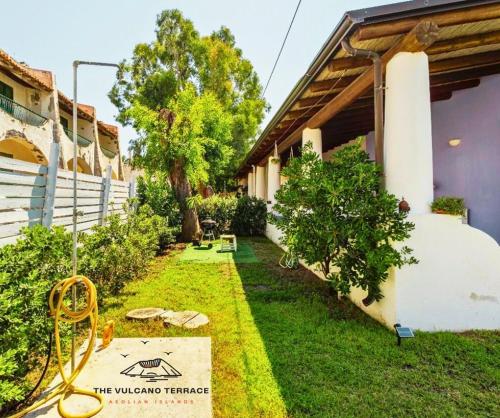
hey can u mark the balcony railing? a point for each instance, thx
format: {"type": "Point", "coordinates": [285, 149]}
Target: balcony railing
{"type": "Point", "coordinates": [84, 142]}
{"type": "Point", "coordinates": [20, 112]}
{"type": "Point", "coordinates": [107, 152]}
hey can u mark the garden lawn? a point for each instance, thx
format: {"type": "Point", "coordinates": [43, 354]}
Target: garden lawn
{"type": "Point", "coordinates": [282, 345]}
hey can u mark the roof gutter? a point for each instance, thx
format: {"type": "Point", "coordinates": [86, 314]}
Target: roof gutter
{"type": "Point", "coordinates": [324, 55]}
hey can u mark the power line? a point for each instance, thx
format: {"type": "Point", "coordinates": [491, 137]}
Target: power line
{"type": "Point", "coordinates": [281, 49]}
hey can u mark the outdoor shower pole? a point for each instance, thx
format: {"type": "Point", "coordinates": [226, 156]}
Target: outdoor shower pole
{"type": "Point", "coordinates": [76, 63]}
{"type": "Point", "coordinates": [75, 206]}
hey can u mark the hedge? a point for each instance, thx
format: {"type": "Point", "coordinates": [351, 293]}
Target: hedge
{"type": "Point", "coordinates": [245, 216]}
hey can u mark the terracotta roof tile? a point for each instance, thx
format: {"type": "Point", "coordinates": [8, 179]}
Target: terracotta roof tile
{"type": "Point", "coordinates": [84, 111]}
{"type": "Point", "coordinates": [111, 130]}
{"type": "Point", "coordinates": [40, 78]}
{"type": "Point", "coordinates": [87, 108]}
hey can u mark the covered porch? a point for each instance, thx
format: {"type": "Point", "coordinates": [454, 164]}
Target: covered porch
{"type": "Point", "coordinates": [436, 134]}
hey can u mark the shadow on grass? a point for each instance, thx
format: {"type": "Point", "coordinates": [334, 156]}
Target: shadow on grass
{"type": "Point", "coordinates": [330, 359]}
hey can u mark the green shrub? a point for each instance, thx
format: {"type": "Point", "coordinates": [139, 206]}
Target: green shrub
{"type": "Point", "coordinates": [449, 205]}
{"type": "Point", "coordinates": [29, 268]}
{"type": "Point", "coordinates": [116, 253]}
{"type": "Point", "coordinates": [221, 209]}
{"type": "Point", "coordinates": [155, 191]}
{"type": "Point", "coordinates": [110, 256]}
{"type": "Point", "coordinates": [335, 214]}
{"type": "Point", "coordinates": [250, 216]}
{"type": "Point", "coordinates": [245, 216]}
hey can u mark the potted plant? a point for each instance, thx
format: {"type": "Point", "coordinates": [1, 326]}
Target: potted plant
{"type": "Point", "coordinates": [448, 205]}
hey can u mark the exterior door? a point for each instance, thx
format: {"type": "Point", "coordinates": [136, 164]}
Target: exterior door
{"type": "Point", "coordinates": [6, 97]}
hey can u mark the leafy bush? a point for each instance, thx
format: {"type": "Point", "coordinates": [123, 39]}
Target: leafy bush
{"type": "Point", "coordinates": [155, 191]}
{"type": "Point", "coordinates": [449, 205]}
{"type": "Point", "coordinates": [115, 253]}
{"type": "Point", "coordinates": [112, 255]}
{"type": "Point", "coordinates": [29, 268]}
{"type": "Point", "coordinates": [250, 216]}
{"type": "Point", "coordinates": [245, 216]}
{"type": "Point", "coordinates": [221, 209]}
{"type": "Point", "coordinates": [336, 214]}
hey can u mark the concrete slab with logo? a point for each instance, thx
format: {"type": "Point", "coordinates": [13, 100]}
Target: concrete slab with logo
{"type": "Point", "coordinates": [149, 377]}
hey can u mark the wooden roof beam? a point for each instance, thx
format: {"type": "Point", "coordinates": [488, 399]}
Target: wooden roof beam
{"type": "Point", "coordinates": [467, 61]}
{"type": "Point", "coordinates": [332, 83]}
{"type": "Point", "coordinates": [439, 47]}
{"type": "Point", "coordinates": [315, 101]}
{"type": "Point", "coordinates": [442, 19]}
{"type": "Point", "coordinates": [449, 64]}
{"type": "Point", "coordinates": [418, 39]}
{"type": "Point", "coordinates": [464, 42]}
{"type": "Point", "coordinates": [468, 74]}
{"type": "Point", "coordinates": [362, 102]}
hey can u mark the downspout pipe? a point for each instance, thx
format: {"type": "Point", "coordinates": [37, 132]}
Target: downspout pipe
{"type": "Point", "coordinates": [378, 103]}
{"type": "Point", "coordinates": [378, 98]}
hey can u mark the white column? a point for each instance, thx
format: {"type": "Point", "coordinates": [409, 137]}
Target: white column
{"type": "Point", "coordinates": [273, 179]}
{"type": "Point", "coordinates": [260, 182]}
{"type": "Point", "coordinates": [408, 131]}
{"type": "Point", "coordinates": [250, 184]}
{"type": "Point", "coordinates": [314, 137]}
{"type": "Point", "coordinates": [50, 187]}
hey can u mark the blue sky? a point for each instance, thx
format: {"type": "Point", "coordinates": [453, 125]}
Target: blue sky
{"type": "Point", "coordinates": [42, 33]}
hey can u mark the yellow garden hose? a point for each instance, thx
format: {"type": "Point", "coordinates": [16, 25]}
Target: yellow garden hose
{"type": "Point", "coordinates": [62, 313]}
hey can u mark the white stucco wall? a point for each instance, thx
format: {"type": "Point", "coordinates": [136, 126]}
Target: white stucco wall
{"type": "Point", "coordinates": [456, 285]}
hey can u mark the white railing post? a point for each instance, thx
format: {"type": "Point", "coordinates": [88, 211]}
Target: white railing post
{"type": "Point", "coordinates": [132, 188]}
{"type": "Point", "coordinates": [50, 185]}
{"type": "Point", "coordinates": [105, 197]}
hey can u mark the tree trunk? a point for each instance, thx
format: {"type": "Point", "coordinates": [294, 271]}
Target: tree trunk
{"type": "Point", "coordinates": [182, 188]}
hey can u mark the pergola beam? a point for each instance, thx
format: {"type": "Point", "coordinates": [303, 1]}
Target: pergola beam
{"type": "Point", "coordinates": [442, 19]}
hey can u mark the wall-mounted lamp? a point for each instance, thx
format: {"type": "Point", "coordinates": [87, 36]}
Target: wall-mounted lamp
{"type": "Point", "coordinates": [454, 142]}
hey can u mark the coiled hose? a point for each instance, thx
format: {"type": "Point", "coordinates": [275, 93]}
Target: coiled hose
{"type": "Point", "coordinates": [62, 313]}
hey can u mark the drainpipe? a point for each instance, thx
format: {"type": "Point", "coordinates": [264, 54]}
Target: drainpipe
{"type": "Point", "coordinates": [378, 98]}
{"type": "Point", "coordinates": [378, 103]}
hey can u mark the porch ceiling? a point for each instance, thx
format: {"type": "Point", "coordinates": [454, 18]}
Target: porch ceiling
{"type": "Point", "coordinates": [467, 48]}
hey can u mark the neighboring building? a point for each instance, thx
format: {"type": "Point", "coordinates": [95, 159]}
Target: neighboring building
{"type": "Point", "coordinates": [441, 124]}
{"type": "Point", "coordinates": [33, 113]}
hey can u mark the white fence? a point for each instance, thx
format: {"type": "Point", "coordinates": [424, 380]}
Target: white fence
{"type": "Point", "coordinates": [33, 194]}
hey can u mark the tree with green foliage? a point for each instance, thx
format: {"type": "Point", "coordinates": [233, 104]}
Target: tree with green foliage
{"type": "Point", "coordinates": [195, 102]}
{"type": "Point", "coordinates": [336, 214]}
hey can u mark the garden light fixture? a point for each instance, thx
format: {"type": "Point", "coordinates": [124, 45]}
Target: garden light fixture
{"type": "Point", "coordinates": [403, 332]}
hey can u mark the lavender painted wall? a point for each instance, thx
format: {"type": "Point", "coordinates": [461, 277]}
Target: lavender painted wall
{"type": "Point", "coordinates": [471, 170]}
